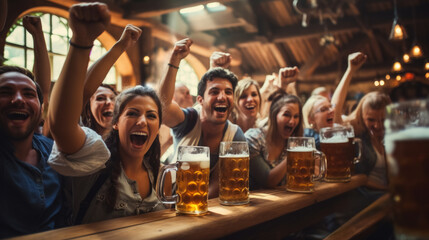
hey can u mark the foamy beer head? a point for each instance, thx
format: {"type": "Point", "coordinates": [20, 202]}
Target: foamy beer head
{"type": "Point", "coordinates": [334, 143]}
{"type": "Point", "coordinates": [407, 141]}
{"type": "Point", "coordinates": [192, 179]}
{"type": "Point", "coordinates": [234, 173]}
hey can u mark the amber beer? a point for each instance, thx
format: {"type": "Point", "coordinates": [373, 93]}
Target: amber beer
{"type": "Point", "coordinates": [301, 156]}
{"type": "Point", "coordinates": [234, 173]}
{"type": "Point", "coordinates": [338, 160]}
{"type": "Point", "coordinates": [300, 169]}
{"type": "Point", "coordinates": [192, 180]}
{"type": "Point", "coordinates": [409, 182]}
{"type": "Point", "coordinates": [192, 185]}
{"type": "Point", "coordinates": [234, 179]}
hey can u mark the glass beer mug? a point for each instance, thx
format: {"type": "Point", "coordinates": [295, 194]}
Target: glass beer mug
{"type": "Point", "coordinates": [233, 173]}
{"type": "Point", "coordinates": [301, 162]}
{"type": "Point", "coordinates": [407, 142]}
{"type": "Point", "coordinates": [339, 150]}
{"type": "Point", "coordinates": [192, 180]}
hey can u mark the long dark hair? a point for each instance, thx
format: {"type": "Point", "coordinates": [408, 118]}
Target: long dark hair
{"type": "Point", "coordinates": [279, 99]}
{"type": "Point", "coordinates": [152, 156]}
{"type": "Point", "coordinates": [88, 119]}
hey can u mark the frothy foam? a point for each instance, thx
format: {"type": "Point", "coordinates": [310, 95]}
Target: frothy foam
{"type": "Point", "coordinates": [187, 157]}
{"type": "Point", "coordinates": [416, 133]}
{"type": "Point", "coordinates": [301, 149]}
{"type": "Point", "coordinates": [235, 155]}
{"type": "Point", "coordinates": [335, 139]}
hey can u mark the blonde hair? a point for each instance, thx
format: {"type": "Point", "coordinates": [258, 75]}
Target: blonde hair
{"type": "Point", "coordinates": [307, 109]}
{"type": "Point", "coordinates": [243, 85]}
{"type": "Point", "coordinates": [375, 100]}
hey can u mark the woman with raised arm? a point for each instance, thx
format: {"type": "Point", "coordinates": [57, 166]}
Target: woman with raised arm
{"type": "Point", "coordinates": [99, 98]}
{"type": "Point", "coordinates": [319, 113]}
{"type": "Point", "coordinates": [267, 145]}
{"type": "Point", "coordinates": [368, 123]}
{"type": "Point", "coordinates": [115, 178]}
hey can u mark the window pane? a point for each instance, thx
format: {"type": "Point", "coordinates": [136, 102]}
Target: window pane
{"type": "Point", "coordinates": [45, 22]}
{"type": "Point", "coordinates": [187, 76]}
{"type": "Point", "coordinates": [30, 60]}
{"type": "Point", "coordinates": [57, 65]}
{"type": "Point", "coordinates": [96, 53]}
{"type": "Point", "coordinates": [29, 40]}
{"type": "Point", "coordinates": [58, 27]}
{"type": "Point", "coordinates": [17, 36]}
{"type": "Point", "coordinates": [14, 56]}
{"type": "Point", "coordinates": [59, 44]}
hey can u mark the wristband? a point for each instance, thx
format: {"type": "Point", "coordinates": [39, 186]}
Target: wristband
{"type": "Point", "coordinates": [80, 46]}
{"type": "Point", "coordinates": [171, 65]}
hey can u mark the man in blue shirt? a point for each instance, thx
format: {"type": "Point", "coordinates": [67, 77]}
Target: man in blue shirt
{"type": "Point", "coordinates": [207, 124]}
{"type": "Point", "coordinates": [30, 188]}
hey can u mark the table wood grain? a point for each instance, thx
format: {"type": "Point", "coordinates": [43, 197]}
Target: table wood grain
{"type": "Point", "coordinates": [265, 205]}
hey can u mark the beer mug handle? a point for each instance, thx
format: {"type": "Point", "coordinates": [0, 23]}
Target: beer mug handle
{"type": "Point", "coordinates": [358, 141]}
{"type": "Point", "coordinates": [160, 184]}
{"type": "Point", "coordinates": [322, 165]}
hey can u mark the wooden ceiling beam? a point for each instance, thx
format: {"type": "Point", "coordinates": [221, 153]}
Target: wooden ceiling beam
{"type": "Point", "coordinates": [346, 24]}
{"type": "Point", "coordinates": [149, 8]}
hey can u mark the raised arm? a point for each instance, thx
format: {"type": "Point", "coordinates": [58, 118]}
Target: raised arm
{"type": "Point", "coordinates": [171, 111]}
{"type": "Point", "coordinates": [220, 59]}
{"type": "Point", "coordinates": [287, 79]}
{"type": "Point", "coordinates": [355, 61]}
{"type": "Point", "coordinates": [98, 71]}
{"type": "Point", "coordinates": [41, 68]}
{"type": "Point", "coordinates": [87, 21]}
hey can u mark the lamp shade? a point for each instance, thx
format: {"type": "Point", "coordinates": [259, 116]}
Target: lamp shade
{"type": "Point", "coordinates": [398, 31]}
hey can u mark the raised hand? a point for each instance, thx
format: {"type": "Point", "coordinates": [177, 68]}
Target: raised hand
{"type": "Point", "coordinates": [286, 75]}
{"type": "Point", "coordinates": [356, 60]}
{"type": "Point", "coordinates": [220, 59]}
{"type": "Point", "coordinates": [88, 21]}
{"type": "Point", "coordinates": [129, 37]}
{"type": "Point", "coordinates": [32, 24]}
{"type": "Point", "coordinates": [180, 51]}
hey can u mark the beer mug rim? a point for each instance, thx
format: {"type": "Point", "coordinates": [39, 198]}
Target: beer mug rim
{"type": "Point", "coordinates": [334, 128]}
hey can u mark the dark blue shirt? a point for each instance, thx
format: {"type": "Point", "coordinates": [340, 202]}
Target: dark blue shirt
{"type": "Point", "coordinates": [30, 195]}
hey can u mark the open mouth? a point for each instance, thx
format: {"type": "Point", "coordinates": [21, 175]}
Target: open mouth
{"type": "Point", "coordinates": [221, 108]}
{"type": "Point", "coordinates": [138, 138]}
{"type": "Point", "coordinates": [17, 116]}
{"type": "Point", "coordinates": [250, 107]}
{"type": "Point", "coordinates": [289, 129]}
{"type": "Point", "coordinates": [107, 114]}
{"type": "Point", "coordinates": [330, 120]}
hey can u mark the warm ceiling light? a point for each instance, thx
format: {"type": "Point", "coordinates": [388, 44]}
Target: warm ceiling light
{"type": "Point", "coordinates": [406, 58]}
{"type": "Point", "coordinates": [398, 78]}
{"type": "Point", "coordinates": [381, 82]}
{"type": "Point", "coordinates": [387, 77]}
{"type": "Point", "coordinates": [192, 9]}
{"type": "Point", "coordinates": [427, 66]}
{"type": "Point", "coordinates": [427, 75]}
{"type": "Point", "coordinates": [146, 60]}
{"type": "Point", "coordinates": [398, 31]}
{"type": "Point", "coordinates": [416, 51]}
{"type": "Point", "coordinates": [376, 83]}
{"type": "Point", "coordinates": [397, 66]}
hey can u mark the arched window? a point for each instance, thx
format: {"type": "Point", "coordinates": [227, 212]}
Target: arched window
{"type": "Point", "coordinates": [187, 76]}
{"type": "Point", "coordinates": [19, 46]}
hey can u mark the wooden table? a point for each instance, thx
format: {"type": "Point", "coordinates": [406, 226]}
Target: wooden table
{"type": "Point", "coordinates": [280, 211]}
